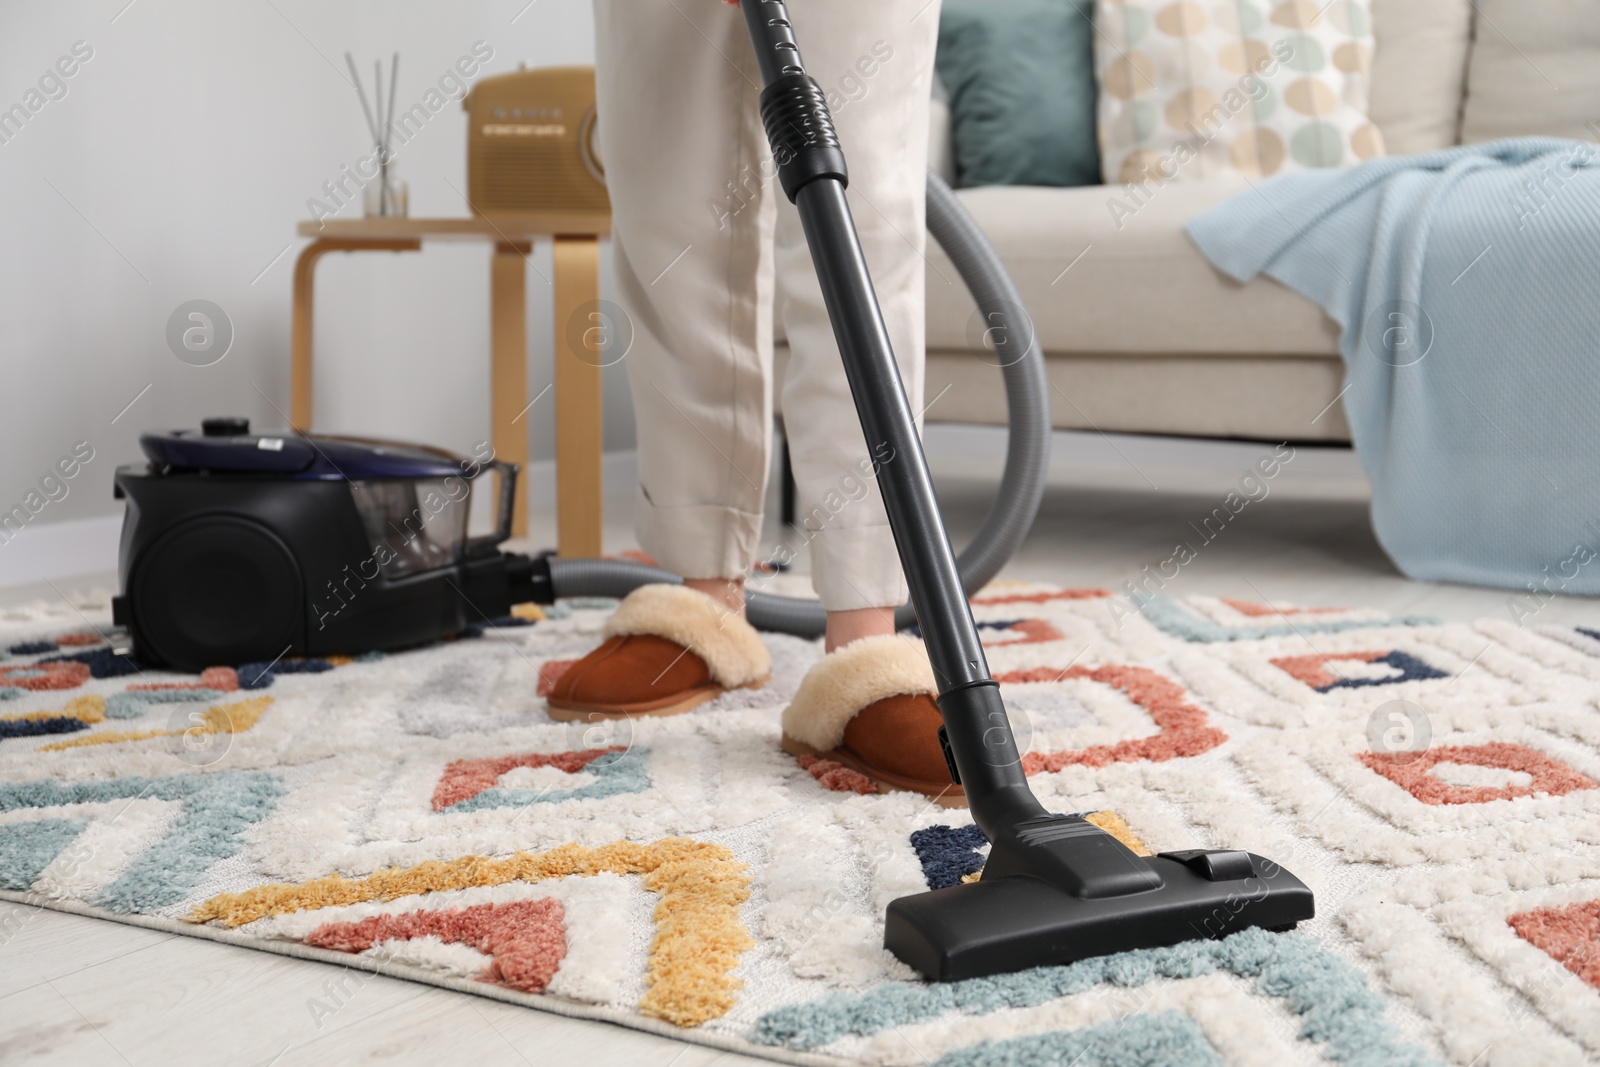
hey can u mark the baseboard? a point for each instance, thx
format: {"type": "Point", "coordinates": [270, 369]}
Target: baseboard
{"type": "Point", "coordinates": [50, 550]}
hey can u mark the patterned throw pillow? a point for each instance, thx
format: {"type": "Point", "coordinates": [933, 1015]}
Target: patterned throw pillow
{"type": "Point", "coordinates": [1203, 88]}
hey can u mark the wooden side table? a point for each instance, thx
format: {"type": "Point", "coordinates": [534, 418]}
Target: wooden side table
{"type": "Point", "coordinates": [577, 365]}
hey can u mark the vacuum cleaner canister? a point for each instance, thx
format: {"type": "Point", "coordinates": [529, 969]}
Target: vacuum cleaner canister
{"type": "Point", "coordinates": [240, 547]}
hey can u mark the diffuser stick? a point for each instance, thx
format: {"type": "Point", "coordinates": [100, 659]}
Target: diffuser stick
{"type": "Point", "coordinates": [383, 134]}
{"type": "Point", "coordinates": [394, 76]}
{"type": "Point", "coordinates": [388, 131]}
{"type": "Point", "coordinates": [372, 126]}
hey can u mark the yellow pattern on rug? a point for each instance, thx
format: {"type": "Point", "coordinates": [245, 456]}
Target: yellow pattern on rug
{"type": "Point", "coordinates": [218, 719]}
{"type": "Point", "coordinates": [698, 933]}
{"type": "Point", "coordinates": [1118, 827]}
{"type": "Point", "coordinates": [90, 709]}
{"type": "Point", "coordinates": [1111, 823]}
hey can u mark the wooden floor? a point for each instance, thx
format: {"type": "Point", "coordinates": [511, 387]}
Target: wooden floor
{"type": "Point", "coordinates": [83, 991]}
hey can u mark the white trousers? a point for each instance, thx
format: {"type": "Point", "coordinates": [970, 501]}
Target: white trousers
{"type": "Point", "coordinates": [708, 249]}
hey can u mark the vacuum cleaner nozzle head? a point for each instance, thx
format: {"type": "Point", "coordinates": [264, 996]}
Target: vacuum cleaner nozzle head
{"type": "Point", "coordinates": [1020, 915]}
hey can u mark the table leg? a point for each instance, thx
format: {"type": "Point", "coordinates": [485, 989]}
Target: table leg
{"type": "Point", "coordinates": [301, 321]}
{"type": "Point", "coordinates": [300, 334]}
{"type": "Point", "coordinates": [579, 333]}
{"type": "Point", "coordinates": [508, 367]}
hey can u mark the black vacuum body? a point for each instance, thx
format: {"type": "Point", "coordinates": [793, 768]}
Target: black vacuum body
{"type": "Point", "coordinates": [1055, 888]}
{"type": "Point", "coordinates": [240, 547]}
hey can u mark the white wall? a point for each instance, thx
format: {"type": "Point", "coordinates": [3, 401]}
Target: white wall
{"type": "Point", "coordinates": [176, 167]}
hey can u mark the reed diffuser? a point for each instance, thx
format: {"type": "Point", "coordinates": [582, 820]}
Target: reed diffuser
{"type": "Point", "coordinates": [386, 195]}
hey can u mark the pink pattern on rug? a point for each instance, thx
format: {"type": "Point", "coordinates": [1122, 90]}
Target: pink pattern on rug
{"type": "Point", "coordinates": [1412, 771]}
{"type": "Point", "coordinates": [524, 940]}
{"type": "Point", "coordinates": [1570, 935]}
{"type": "Point", "coordinates": [62, 674]}
{"type": "Point", "coordinates": [1313, 669]}
{"type": "Point", "coordinates": [464, 779]}
{"type": "Point", "coordinates": [836, 776]}
{"type": "Point", "coordinates": [1256, 611]}
{"type": "Point", "coordinates": [1183, 728]}
{"type": "Point", "coordinates": [1041, 598]}
{"type": "Point", "coordinates": [1027, 631]}
{"type": "Point", "coordinates": [222, 679]}
{"type": "Point", "coordinates": [550, 672]}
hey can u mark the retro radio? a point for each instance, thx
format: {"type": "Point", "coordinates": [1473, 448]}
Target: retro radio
{"type": "Point", "coordinates": [531, 143]}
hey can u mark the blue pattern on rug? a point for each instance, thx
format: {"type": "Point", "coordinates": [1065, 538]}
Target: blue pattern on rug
{"type": "Point", "coordinates": [103, 663]}
{"type": "Point", "coordinates": [217, 810]}
{"type": "Point", "coordinates": [1337, 1009]}
{"type": "Point", "coordinates": [60, 724]}
{"type": "Point", "coordinates": [1410, 667]}
{"type": "Point", "coordinates": [1177, 619]}
{"type": "Point", "coordinates": [261, 675]}
{"type": "Point", "coordinates": [614, 778]}
{"type": "Point", "coordinates": [134, 703]}
{"type": "Point", "coordinates": [948, 855]}
{"type": "Point", "coordinates": [26, 848]}
{"type": "Point", "coordinates": [1132, 1041]}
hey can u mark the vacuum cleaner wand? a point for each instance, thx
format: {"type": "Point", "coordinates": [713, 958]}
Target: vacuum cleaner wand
{"type": "Point", "coordinates": [1055, 888]}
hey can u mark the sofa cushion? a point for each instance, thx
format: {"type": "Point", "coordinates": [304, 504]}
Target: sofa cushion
{"type": "Point", "coordinates": [1193, 90]}
{"type": "Point", "coordinates": [1020, 75]}
{"type": "Point", "coordinates": [1102, 273]}
{"type": "Point", "coordinates": [1419, 67]}
{"type": "Point", "coordinates": [1534, 69]}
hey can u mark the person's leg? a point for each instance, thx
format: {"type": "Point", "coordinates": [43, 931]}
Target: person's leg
{"type": "Point", "coordinates": [692, 208]}
{"type": "Point", "coordinates": [875, 62]}
{"type": "Point", "coordinates": [682, 144]}
{"type": "Point", "coordinates": [727, 591]}
{"type": "Point", "coordinates": [868, 704]}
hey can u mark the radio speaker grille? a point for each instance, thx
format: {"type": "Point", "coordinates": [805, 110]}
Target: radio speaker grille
{"type": "Point", "coordinates": [530, 143]}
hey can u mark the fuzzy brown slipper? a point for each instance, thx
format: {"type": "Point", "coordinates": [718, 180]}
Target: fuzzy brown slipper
{"type": "Point", "coordinates": [668, 649]}
{"type": "Point", "coordinates": [869, 706]}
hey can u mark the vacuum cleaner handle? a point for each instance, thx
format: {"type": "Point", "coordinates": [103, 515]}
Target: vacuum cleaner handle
{"type": "Point", "coordinates": [506, 474]}
{"type": "Point", "coordinates": [811, 168]}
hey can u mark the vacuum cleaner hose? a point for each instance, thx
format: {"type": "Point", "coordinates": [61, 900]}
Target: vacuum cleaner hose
{"type": "Point", "coordinates": [1015, 349]}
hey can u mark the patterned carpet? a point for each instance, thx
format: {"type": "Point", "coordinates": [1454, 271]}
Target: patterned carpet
{"type": "Point", "coordinates": [420, 815]}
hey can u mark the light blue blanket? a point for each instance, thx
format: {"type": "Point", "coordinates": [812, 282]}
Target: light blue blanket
{"type": "Point", "coordinates": [1467, 284]}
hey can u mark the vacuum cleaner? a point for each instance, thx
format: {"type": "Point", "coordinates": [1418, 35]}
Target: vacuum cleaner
{"type": "Point", "coordinates": [234, 540]}
{"type": "Point", "coordinates": [241, 547]}
{"type": "Point", "coordinates": [1056, 888]}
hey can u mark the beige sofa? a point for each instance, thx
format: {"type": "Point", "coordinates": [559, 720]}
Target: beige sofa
{"type": "Point", "coordinates": [1142, 335]}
